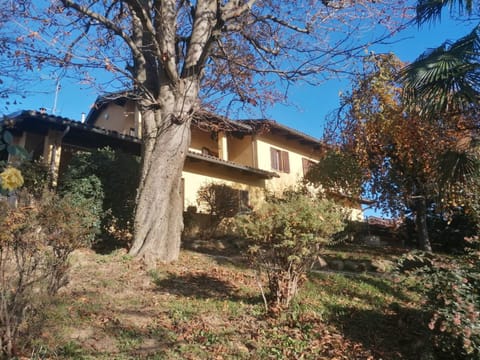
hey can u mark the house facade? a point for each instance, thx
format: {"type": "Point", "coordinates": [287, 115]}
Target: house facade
{"type": "Point", "coordinates": [252, 156]}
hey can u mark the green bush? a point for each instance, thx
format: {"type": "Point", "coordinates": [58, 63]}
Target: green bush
{"type": "Point", "coordinates": [37, 177]}
{"type": "Point", "coordinates": [285, 236]}
{"type": "Point", "coordinates": [107, 180]}
{"type": "Point", "coordinates": [452, 298]}
{"type": "Point", "coordinates": [36, 238]}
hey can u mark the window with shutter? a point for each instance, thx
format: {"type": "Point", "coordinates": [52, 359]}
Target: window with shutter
{"type": "Point", "coordinates": [285, 162]}
{"type": "Point", "coordinates": [307, 164]}
{"type": "Point", "coordinates": [275, 159]}
{"type": "Point", "coordinates": [279, 160]}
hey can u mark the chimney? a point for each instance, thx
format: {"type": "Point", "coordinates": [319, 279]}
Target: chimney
{"type": "Point", "coordinates": [83, 117]}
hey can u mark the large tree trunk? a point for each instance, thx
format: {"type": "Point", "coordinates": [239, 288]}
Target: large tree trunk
{"type": "Point", "coordinates": [159, 212]}
{"type": "Point", "coordinates": [421, 224]}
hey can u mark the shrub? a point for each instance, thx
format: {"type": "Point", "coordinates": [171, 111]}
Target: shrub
{"type": "Point", "coordinates": [285, 236]}
{"type": "Point", "coordinates": [452, 298]}
{"type": "Point", "coordinates": [36, 239]}
{"type": "Point", "coordinates": [221, 201]}
{"type": "Point", "coordinates": [37, 177]}
{"type": "Point", "coordinates": [107, 180]}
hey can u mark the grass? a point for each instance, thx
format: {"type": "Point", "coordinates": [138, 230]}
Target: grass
{"type": "Point", "coordinates": [203, 308]}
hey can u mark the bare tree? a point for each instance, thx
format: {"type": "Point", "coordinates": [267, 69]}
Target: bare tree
{"type": "Point", "coordinates": [175, 54]}
{"type": "Point", "coordinates": [12, 81]}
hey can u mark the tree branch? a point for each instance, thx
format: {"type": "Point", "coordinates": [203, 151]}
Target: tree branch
{"type": "Point", "coordinates": [233, 9]}
{"type": "Point", "coordinates": [165, 24]}
{"type": "Point", "coordinates": [283, 23]}
{"type": "Point", "coordinates": [110, 25]}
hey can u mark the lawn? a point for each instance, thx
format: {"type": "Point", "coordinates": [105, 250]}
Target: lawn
{"type": "Point", "coordinates": [209, 307]}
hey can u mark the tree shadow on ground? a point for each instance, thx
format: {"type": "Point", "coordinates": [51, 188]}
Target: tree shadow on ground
{"type": "Point", "coordinates": [202, 286]}
{"type": "Point", "coordinates": [227, 246]}
{"type": "Point", "coordinates": [385, 287]}
{"type": "Point", "coordinates": [395, 334]}
{"type": "Point", "coordinates": [107, 246]}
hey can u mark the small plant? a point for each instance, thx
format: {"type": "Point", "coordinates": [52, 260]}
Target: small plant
{"type": "Point", "coordinates": [452, 291]}
{"type": "Point", "coordinates": [285, 236]}
{"type": "Point", "coordinates": [36, 238]}
{"type": "Point", "coordinates": [221, 201]}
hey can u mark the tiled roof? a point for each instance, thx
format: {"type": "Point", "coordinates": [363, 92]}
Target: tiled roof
{"type": "Point", "coordinates": [31, 118]}
{"type": "Point", "coordinates": [56, 121]}
{"type": "Point", "coordinates": [209, 121]}
{"type": "Point", "coordinates": [231, 164]}
{"type": "Point", "coordinates": [266, 125]}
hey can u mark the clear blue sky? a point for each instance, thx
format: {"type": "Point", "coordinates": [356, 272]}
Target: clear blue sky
{"type": "Point", "coordinates": [316, 102]}
{"type": "Point", "coordinates": [312, 103]}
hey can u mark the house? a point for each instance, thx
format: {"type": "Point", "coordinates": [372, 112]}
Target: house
{"type": "Point", "coordinates": [251, 155]}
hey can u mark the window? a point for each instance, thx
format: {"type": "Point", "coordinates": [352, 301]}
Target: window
{"type": "Point", "coordinates": [307, 164]}
{"type": "Point", "coordinates": [279, 160]}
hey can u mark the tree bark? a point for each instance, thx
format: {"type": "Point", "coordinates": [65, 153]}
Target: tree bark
{"type": "Point", "coordinates": [421, 224]}
{"type": "Point", "coordinates": [159, 213]}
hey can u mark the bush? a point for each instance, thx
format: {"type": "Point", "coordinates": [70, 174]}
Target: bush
{"type": "Point", "coordinates": [452, 298]}
{"type": "Point", "coordinates": [37, 177]}
{"type": "Point", "coordinates": [36, 239]}
{"type": "Point", "coordinates": [221, 201]}
{"type": "Point", "coordinates": [285, 236]}
{"type": "Point", "coordinates": [107, 180]}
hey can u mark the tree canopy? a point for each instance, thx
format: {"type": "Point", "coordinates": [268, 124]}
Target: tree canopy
{"type": "Point", "coordinates": [407, 164]}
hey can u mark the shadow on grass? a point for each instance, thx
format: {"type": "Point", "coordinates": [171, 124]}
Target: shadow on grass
{"type": "Point", "coordinates": [108, 246]}
{"type": "Point", "coordinates": [228, 246]}
{"type": "Point", "coordinates": [202, 286]}
{"type": "Point", "coordinates": [392, 335]}
{"type": "Point", "coordinates": [385, 287]}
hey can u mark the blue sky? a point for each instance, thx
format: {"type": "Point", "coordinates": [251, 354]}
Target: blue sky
{"type": "Point", "coordinates": [311, 104]}
{"type": "Point", "coordinates": [316, 102]}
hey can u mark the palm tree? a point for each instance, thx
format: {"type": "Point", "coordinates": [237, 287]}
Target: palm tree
{"type": "Point", "coordinates": [442, 85]}
{"type": "Point", "coordinates": [445, 79]}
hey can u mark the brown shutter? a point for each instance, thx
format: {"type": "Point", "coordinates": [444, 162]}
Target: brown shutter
{"type": "Point", "coordinates": [285, 162]}
{"type": "Point", "coordinates": [305, 166]}
{"type": "Point", "coordinates": [274, 158]}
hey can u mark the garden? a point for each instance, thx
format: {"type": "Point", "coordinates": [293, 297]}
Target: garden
{"type": "Point", "coordinates": [71, 291]}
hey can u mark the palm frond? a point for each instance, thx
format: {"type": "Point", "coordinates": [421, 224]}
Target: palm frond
{"type": "Point", "coordinates": [457, 167]}
{"type": "Point", "coordinates": [446, 78]}
{"type": "Point", "coordinates": [431, 10]}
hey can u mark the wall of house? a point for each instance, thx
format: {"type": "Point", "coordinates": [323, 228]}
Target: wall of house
{"type": "Point", "coordinates": [241, 150]}
{"type": "Point", "coordinates": [296, 154]}
{"type": "Point", "coordinates": [201, 139]}
{"type": "Point", "coordinates": [199, 174]}
{"type": "Point", "coordinates": [118, 118]}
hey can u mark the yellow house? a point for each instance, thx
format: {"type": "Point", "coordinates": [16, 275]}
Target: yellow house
{"type": "Point", "coordinates": [252, 156]}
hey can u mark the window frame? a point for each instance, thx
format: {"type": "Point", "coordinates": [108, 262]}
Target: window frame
{"type": "Point", "coordinates": [279, 160]}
